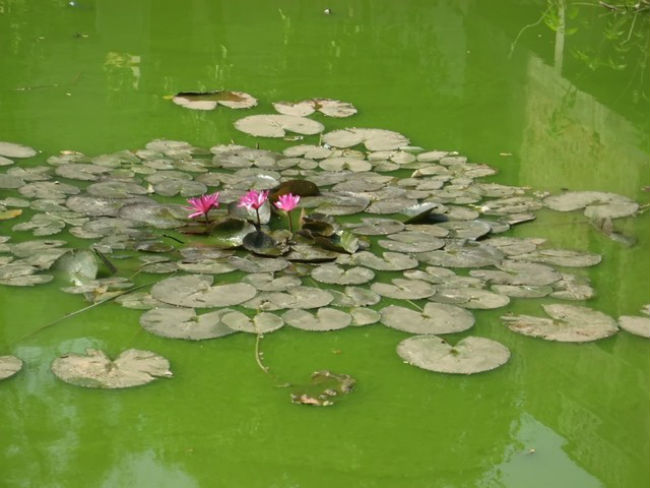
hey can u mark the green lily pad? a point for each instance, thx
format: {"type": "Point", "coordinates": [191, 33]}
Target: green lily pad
{"type": "Point", "coordinates": [9, 366]}
{"type": "Point", "coordinates": [325, 319]}
{"type": "Point", "coordinates": [132, 367]}
{"type": "Point", "coordinates": [48, 190]}
{"type": "Point", "coordinates": [262, 244]}
{"type": "Point", "coordinates": [522, 291]}
{"type": "Point", "coordinates": [277, 125]}
{"type": "Point", "coordinates": [260, 323]}
{"type": "Point", "coordinates": [29, 248]}
{"type": "Point", "coordinates": [463, 255]}
{"type": "Point", "coordinates": [116, 189]}
{"type": "Point", "coordinates": [355, 296]}
{"type": "Point", "coordinates": [435, 318]}
{"type": "Point", "coordinates": [258, 264]}
{"type": "Point", "coordinates": [206, 266]}
{"type": "Point", "coordinates": [139, 300]}
{"type": "Point", "coordinates": [568, 323]}
{"type": "Point", "coordinates": [469, 356]}
{"type": "Point", "coordinates": [519, 273]}
{"type": "Point", "coordinates": [211, 100]}
{"type": "Point", "coordinates": [572, 287]}
{"type": "Point", "coordinates": [9, 181]}
{"type": "Point", "coordinates": [597, 205]}
{"type": "Point", "coordinates": [303, 253]}
{"type": "Point", "coordinates": [196, 291]}
{"type": "Point", "coordinates": [183, 323]}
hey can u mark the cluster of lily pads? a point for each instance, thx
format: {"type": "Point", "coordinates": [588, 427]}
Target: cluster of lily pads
{"type": "Point", "coordinates": [388, 233]}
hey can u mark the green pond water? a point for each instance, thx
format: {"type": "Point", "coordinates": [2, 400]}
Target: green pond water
{"type": "Point", "coordinates": [449, 75]}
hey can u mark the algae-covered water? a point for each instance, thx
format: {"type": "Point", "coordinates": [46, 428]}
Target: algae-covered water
{"type": "Point", "coordinates": [501, 82]}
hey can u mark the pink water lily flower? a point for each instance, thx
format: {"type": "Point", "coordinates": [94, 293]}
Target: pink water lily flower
{"type": "Point", "coordinates": [287, 202]}
{"type": "Point", "coordinates": [203, 204]}
{"type": "Point", "coordinates": [254, 199]}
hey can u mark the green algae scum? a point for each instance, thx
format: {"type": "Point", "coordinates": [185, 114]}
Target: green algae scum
{"type": "Point", "coordinates": [297, 244]}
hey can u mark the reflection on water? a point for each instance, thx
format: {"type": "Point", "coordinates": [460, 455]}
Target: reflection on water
{"type": "Point", "coordinates": [146, 470]}
{"type": "Point", "coordinates": [538, 459]}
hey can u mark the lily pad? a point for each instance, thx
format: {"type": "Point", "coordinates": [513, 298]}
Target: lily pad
{"type": "Point", "coordinates": [469, 356]}
{"type": "Point", "coordinates": [196, 291]}
{"type": "Point", "coordinates": [132, 367]}
{"type": "Point", "coordinates": [9, 366]}
{"type": "Point", "coordinates": [402, 289]}
{"type": "Point", "coordinates": [211, 100]}
{"type": "Point", "coordinates": [13, 150]}
{"type": "Point", "coordinates": [463, 255]}
{"type": "Point", "coordinates": [388, 261]}
{"type": "Point", "coordinates": [355, 296]}
{"type": "Point", "coordinates": [468, 297]}
{"type": "Point", "coordinates": [636, 325]}
{"type": "Point", "coordinates": [373, 139]}
{"type": "Point", "coordinates": [523, 291]}
{"type": "Point", "coordinates": [139, 300]}
{"type": "Point", "coordinates": [325, 319]}
{"type": "Point", "coordinates": [568, 323]}
{"type": "Point", "coordinates": [561, 257]}
{"type": "Point", "coordinates": [364, 316]}
{"type": "Point", "coordinates": [269, 282]}
{"type": "Point", "coordinates": [277, 125]}
{"type": "Point", "coordinates": [333, 274]}
{"type": "Point", "coordinates": [260, 323]}
{"type": "Point", "coordinates": [572, 287]}
{"type": "Point", "coordinates": [183, 323]}
{"type": "Point", "coordinates": [371, 226]}
{"type": "Point", "coordinates": [9, 181]}
{"type": "Point", "coordinates": [299, 297]}
{"type": "Point", "coordinates": [597, 205]}
{"type": "Point", "coordinates": [329, 107]}
{"type": "Point", "coordinates": [435, 318]}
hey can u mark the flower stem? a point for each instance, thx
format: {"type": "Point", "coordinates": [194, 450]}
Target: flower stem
{"type": "Point", "coordinates": [290, 222]}
{"type": "Point", "coordinates": [259, 223]}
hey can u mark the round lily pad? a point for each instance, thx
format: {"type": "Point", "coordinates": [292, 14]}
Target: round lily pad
{"type": "Point", "coordinates": [325, 319]}
{"type": "Point", "coordinates": [463, 255]}
{"type": "Point", "coordinates": [568, 323]}
{"type": "Point", "coordinates": [268, 282]}
{"type": "Point", "coordinates": [195, 291]}
{"type": "Point", "coordinates": [355, 296]}
{"type": "Point", "coordinates": [327, 106]}
{"type": "Point", "coordinates": [211, 100]}
{"type": "Point", "coordinates": [561, 257]}
{"type": "Point", "coordinates": [468, 297]}
{"type": "Point", "coordinates": [331, 273]}
{"type": "Point", "coordinates": [388, 261]}
{"type": "Point", "coordinates": [13, 150]}
{"type": "Point", "coordinates": [299, 297]}
{"type": "Point", "coordinates": [277, 125]}
{"type": "Point", "coordinates": [402, 289]}
{"type": "Point", "coordinates": [636, 325]}
{"type": "Point", "coordinates": [261, 323]}
{"type": "Point", "coordinates": [436, 318]}
{"type": "Point", "coordinates": [95, 369]}
{"type": "Point", "coordinates": [470, 355]}
{"type": "Point", "coordinates": [597, 205]}
{"type": "Point", "coordinates": [572, 287]}
{"type": "Point", "coordinates": [371, 226]}
{"type": "Point", "coordinates": [9, 366]}
{"type": "Point", "coordinates": [373, 139]}
{"type": "Point", "coordinates": [364, 316]}
{"type": "Point", "coordinates": [183, 323]}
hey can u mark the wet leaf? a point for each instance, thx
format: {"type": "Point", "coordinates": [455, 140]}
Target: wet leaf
{"type": "Point", "coordinates": [388, 261]}
{"type": "Point", "coordinates": [132, 367]}
{"type": "Point", "coordinates": [79, 266]}
{"type": "Point", "coordinates": [371, 226]}
{"type": "Point", "coordinates": [324, 389]}
{"type": "Point", "coordinates": [9, 366]}
{"type": "Point", "coordinates": [263, 244]}
{"type": "Point", "coordinates": [268, 282]}
{"type": "Point", "coordinates": [463, 255]}
{"type": "Point", "coordinates": [211, 100]}
{"type": "Point", "coordinates": [277, 125]}
{"type": "Point", "coordinates": [325, 319]}
{"type": "Point", "coordinates": [469, 356]}
{"type": "Point", "coordinates": [10, 214]}
{"type": "Point", "coordinates": [435, 318]}
{"type": "Point", "coordinates": [303, 188]}
{"type": "Point", "coordinates": [568, 323]}
{"type": "Point", "coordinates": [183, 323]}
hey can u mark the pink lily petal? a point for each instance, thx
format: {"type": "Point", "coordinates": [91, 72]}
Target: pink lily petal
{"type": "Point", "coordinates": [287, 202]}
